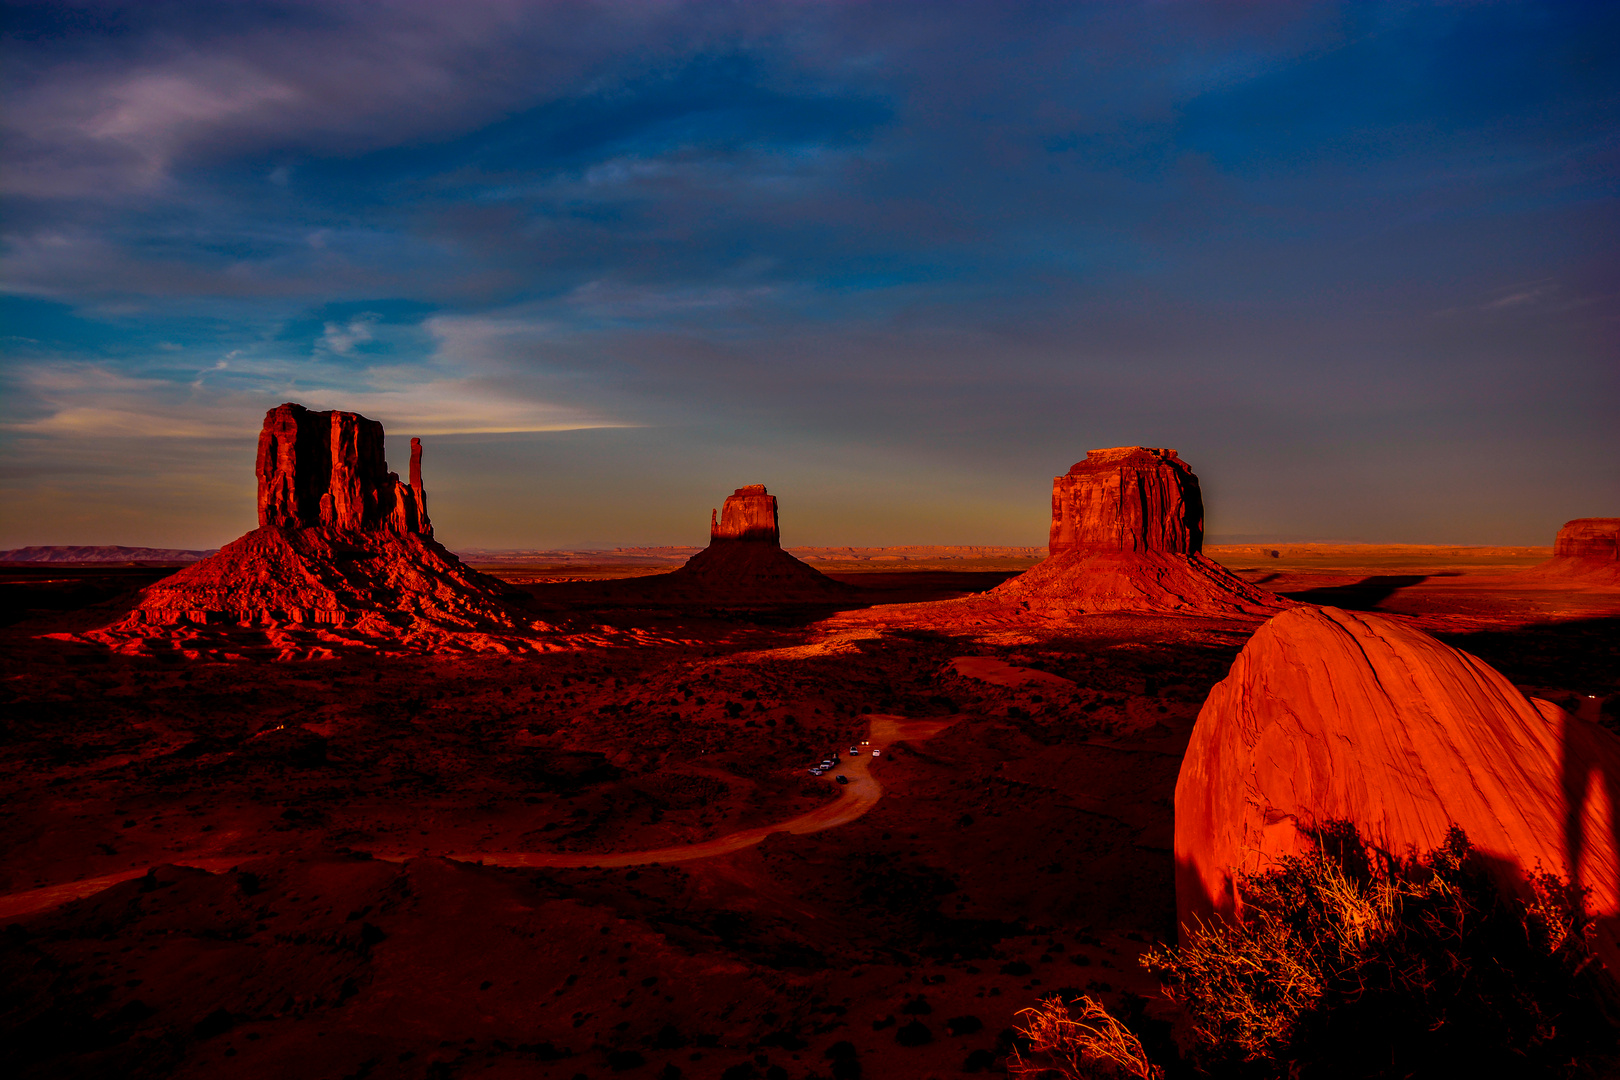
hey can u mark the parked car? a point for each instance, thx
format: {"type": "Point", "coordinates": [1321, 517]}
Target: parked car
{"type": "Point", "coordinates": [854, 751]}
{"type": "Point", "coordinates": [877, 753]}
{"type": "Point", "coordinates": [842, 779]}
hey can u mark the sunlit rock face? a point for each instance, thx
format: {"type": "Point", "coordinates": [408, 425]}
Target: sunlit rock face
{"type": "Point", "coordinates": [1127, 535]}
{"type": "Point", "coordinates": [344, 556]}
{"type": "Point", "coordinates": [1128, 498]}
{"type": "Point", "coordinates": [749, 514]}
{"type": "Point", "coordinates": [328, 468]}
{"type": "Point", "coordinates": [1586, 555]}
{"type": "Point", "coordinates": [1594, 539]}
{"type": "Point", "coordinates": [1330, 715]}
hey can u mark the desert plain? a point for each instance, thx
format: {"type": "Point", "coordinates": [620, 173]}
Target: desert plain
{"type": "Point", "coordinates": [611, 858]}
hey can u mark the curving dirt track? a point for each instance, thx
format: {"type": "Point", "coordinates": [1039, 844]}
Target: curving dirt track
{"type": "Point", "coordinates": [859, 796]}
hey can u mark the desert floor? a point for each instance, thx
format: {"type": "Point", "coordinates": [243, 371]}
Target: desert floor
{"type": "Point", "coordinates": [613, 861]}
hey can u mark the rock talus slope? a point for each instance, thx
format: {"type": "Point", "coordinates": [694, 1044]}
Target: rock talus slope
{"type": "Point", "coordinates": [1330, 715]}
{"type": "Point", "coordinates": [344, 555]}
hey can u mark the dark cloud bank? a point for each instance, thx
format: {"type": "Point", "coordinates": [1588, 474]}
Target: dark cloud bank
{"type": "Point", "coordinates": [901, 262]}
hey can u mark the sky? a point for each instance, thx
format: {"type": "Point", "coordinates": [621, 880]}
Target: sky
{"type": "Point", "coordinates": [901, 262]}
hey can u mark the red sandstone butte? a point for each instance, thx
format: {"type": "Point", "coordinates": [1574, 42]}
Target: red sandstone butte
{"type": "Point", "coordinates": [1127, 535]}
{"type": "Point", "coordinates": [328, 468]}
{"type": "Point", "coordinates": [344, 554]}
{"type": "Point", "coordinates": [1129, 498]}
{"type": "Point", "coordinates": [749, 514]}
{"type": "Point", "coordinates": [744, 563]}
{"type": "Point", "coordinates": [1331, 715]}
{"type": "Point", "coordinates": [1586, 553]}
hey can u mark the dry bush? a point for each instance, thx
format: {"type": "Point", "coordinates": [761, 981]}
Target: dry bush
{"type": "Point", "coordinates": [1079, 1041]}
{"type": "Point", "coordinates": [1350, 962]}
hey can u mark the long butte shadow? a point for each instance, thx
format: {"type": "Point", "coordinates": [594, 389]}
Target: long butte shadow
{"type": "Point", "coordinates": [1364, 595]}
{"type": "Point", "coordinates": [1579, 655]}
{"type": "Point", "coordinates": [1586, 765]}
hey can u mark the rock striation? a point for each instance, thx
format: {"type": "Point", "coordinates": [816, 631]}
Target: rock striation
{"type": "Point", "coordinates": [344, 555]}
{"type": "Point", "coordinates": [1585, 553]}
{"type": "Point", "coordinates": [1330, 715]}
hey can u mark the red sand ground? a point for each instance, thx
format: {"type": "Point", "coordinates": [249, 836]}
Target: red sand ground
{"type": "Point", "coordinates": [1023, 848]}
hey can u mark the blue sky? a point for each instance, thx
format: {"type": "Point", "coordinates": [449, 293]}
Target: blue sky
{"type": "Point", "coordinates": [901, 262]}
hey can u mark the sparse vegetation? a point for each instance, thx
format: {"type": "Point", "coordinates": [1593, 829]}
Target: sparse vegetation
{"type": "Point", "coordinates": [1350, 962]}
{"type": "Point", "coordinates": [1079, 1041]}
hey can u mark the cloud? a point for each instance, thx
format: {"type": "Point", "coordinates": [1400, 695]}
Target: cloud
{"type": "Point", "coordinates": [342, 338]}
{"type": "Point", "coordinates": [1521, 295]}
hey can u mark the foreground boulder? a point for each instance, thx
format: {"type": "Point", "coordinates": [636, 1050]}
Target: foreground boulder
{"type": "Point", "coordinates": [1330, 715]}
{"type": "Point", "coordinates": [344, 555]}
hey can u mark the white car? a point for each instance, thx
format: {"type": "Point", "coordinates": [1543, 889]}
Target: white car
{"type": "Point", "coordinates": [877, 753]}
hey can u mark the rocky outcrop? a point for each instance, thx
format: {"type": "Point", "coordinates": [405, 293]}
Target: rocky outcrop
{"type": "Point", "coordinates": [1330, 715]}
{"type": "Point", "coordinates": [1586, 554]}
{"type": "Point", "coordinates": [328, 469]}
{"type": "Point", "coordinates": [344, 556]}
{"type": "Point", "coordinates": [749, 515]}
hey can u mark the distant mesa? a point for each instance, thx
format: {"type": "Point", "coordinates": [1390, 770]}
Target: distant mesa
{"type": "Point", "coordinates": [344, 555]}
{"type": "Point", "coordinates": [1330, 715]}
{"type": "Point", "coordinates": [102, 554]}
{"type": "Point", "coordinates": [1586, 553]}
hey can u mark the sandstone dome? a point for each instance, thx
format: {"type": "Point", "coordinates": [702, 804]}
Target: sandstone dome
{"type": "Point", "coordinates": [1331, 715]}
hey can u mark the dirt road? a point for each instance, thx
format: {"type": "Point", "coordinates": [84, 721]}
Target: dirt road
{"type": "Point", "coordinates": [859, 796]}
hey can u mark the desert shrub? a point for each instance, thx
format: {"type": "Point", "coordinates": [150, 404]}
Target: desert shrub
{"type": "Point", "coordinates": [1078, 1041]}
{"type": "Point", "coordinates": [1349, 962]}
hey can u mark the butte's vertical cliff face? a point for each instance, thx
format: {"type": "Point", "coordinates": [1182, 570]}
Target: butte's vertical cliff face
{"type": "Point", "coordinates": [1130, 498]}
{"type": "Point", "coordinates": [749, 514]}
{"type": "Point", "coordinates": [328, 469]}
{"type": "Point", "coordinates": [344, 555]}
{"type": "Point", "coordinates": [1332, 715]}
